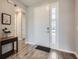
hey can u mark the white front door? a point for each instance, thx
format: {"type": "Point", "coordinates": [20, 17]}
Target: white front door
{"type": "Point", "coordinates": [41, 24]}
{"type": "Point", "coordinates": [44, 29]}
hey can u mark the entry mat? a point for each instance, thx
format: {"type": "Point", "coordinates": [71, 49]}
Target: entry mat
{"type": "Point", "coordinates": [46, 49]}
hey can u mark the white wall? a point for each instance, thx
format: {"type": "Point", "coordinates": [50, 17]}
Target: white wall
{"type": "Point", "coordinates": [67, 25]}
{"type": "Point", "coordinates": [9, 9]}
{"type": "Point", "coordinates": [20, 18]}
{"type": "Point", "coordinates": [5, 7]}
{"type": "Point", "coordinates": [30, 15]}
{"type": "Point", "coordinates": [76, 25]}
{"type": "Point", "coordinates": [67, 40]}
{"type": "Point", "coordinates": [21, 5]}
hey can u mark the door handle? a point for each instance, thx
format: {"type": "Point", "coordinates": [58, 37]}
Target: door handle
{"type": "Point", "coordinates": [48, 29]}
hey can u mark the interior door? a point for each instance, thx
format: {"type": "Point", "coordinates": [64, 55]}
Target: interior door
{"type": "Point", "coordinates": [24, 25]}
{"type": "Point", "coordinates": [18, 24]}
{"type": "Point", "coordinates": [41, 24]}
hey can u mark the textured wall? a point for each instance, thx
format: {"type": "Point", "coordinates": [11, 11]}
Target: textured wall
{"type": "Point", "coordinates": [5, 7]}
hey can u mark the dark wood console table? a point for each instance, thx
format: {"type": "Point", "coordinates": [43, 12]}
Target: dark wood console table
{"type": "Point", "coordinates": [4, 41]}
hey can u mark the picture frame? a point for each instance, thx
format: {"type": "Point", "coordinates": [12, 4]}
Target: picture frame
{"type": "Point", "coordinates": [6, 19]}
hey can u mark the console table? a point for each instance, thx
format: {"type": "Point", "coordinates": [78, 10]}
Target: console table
{"type": "Point", "coordinates": [4, 41]}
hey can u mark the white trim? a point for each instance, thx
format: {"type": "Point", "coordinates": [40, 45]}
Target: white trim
{"type": "Point", "coordinates": [67, 51]}
{"type": "Point", "coordinates": [30, 43]}
{"type": "Point", "coordinates": [62, 50]}
{"type": "Point", "coordinates": [26, 43]}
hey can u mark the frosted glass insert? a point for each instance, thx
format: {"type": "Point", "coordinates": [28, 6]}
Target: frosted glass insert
{"type": "Point", "coordinates": [53, 13]}
{"type": "Point", "coordinates": [53, 25]}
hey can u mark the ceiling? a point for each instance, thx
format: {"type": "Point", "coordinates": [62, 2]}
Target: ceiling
{"type": "Point", "coordinates": [35, 2]}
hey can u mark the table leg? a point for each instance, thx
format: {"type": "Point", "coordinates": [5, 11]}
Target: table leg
{"type": "Point", "coordinates": [0, 50]}
{"type": "Point", "coordinates": [17, 45]}
{"type": "Point", "coordinates": [13, 46]}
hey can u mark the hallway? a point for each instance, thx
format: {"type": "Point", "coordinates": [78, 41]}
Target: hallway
{"type": "Point", "coordinates": [47, 23]}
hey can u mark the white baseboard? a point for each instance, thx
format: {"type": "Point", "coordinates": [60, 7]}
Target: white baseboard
{"type": "Point", "coordinates": [62, 50]}
{"type": "Point", "coordinates": [31, 43]}
{"type": "Point", "coordinates": [26, 43]}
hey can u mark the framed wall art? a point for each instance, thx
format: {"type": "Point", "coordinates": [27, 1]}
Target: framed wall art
{"type": "Point", "coordinates": [6, 19]}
